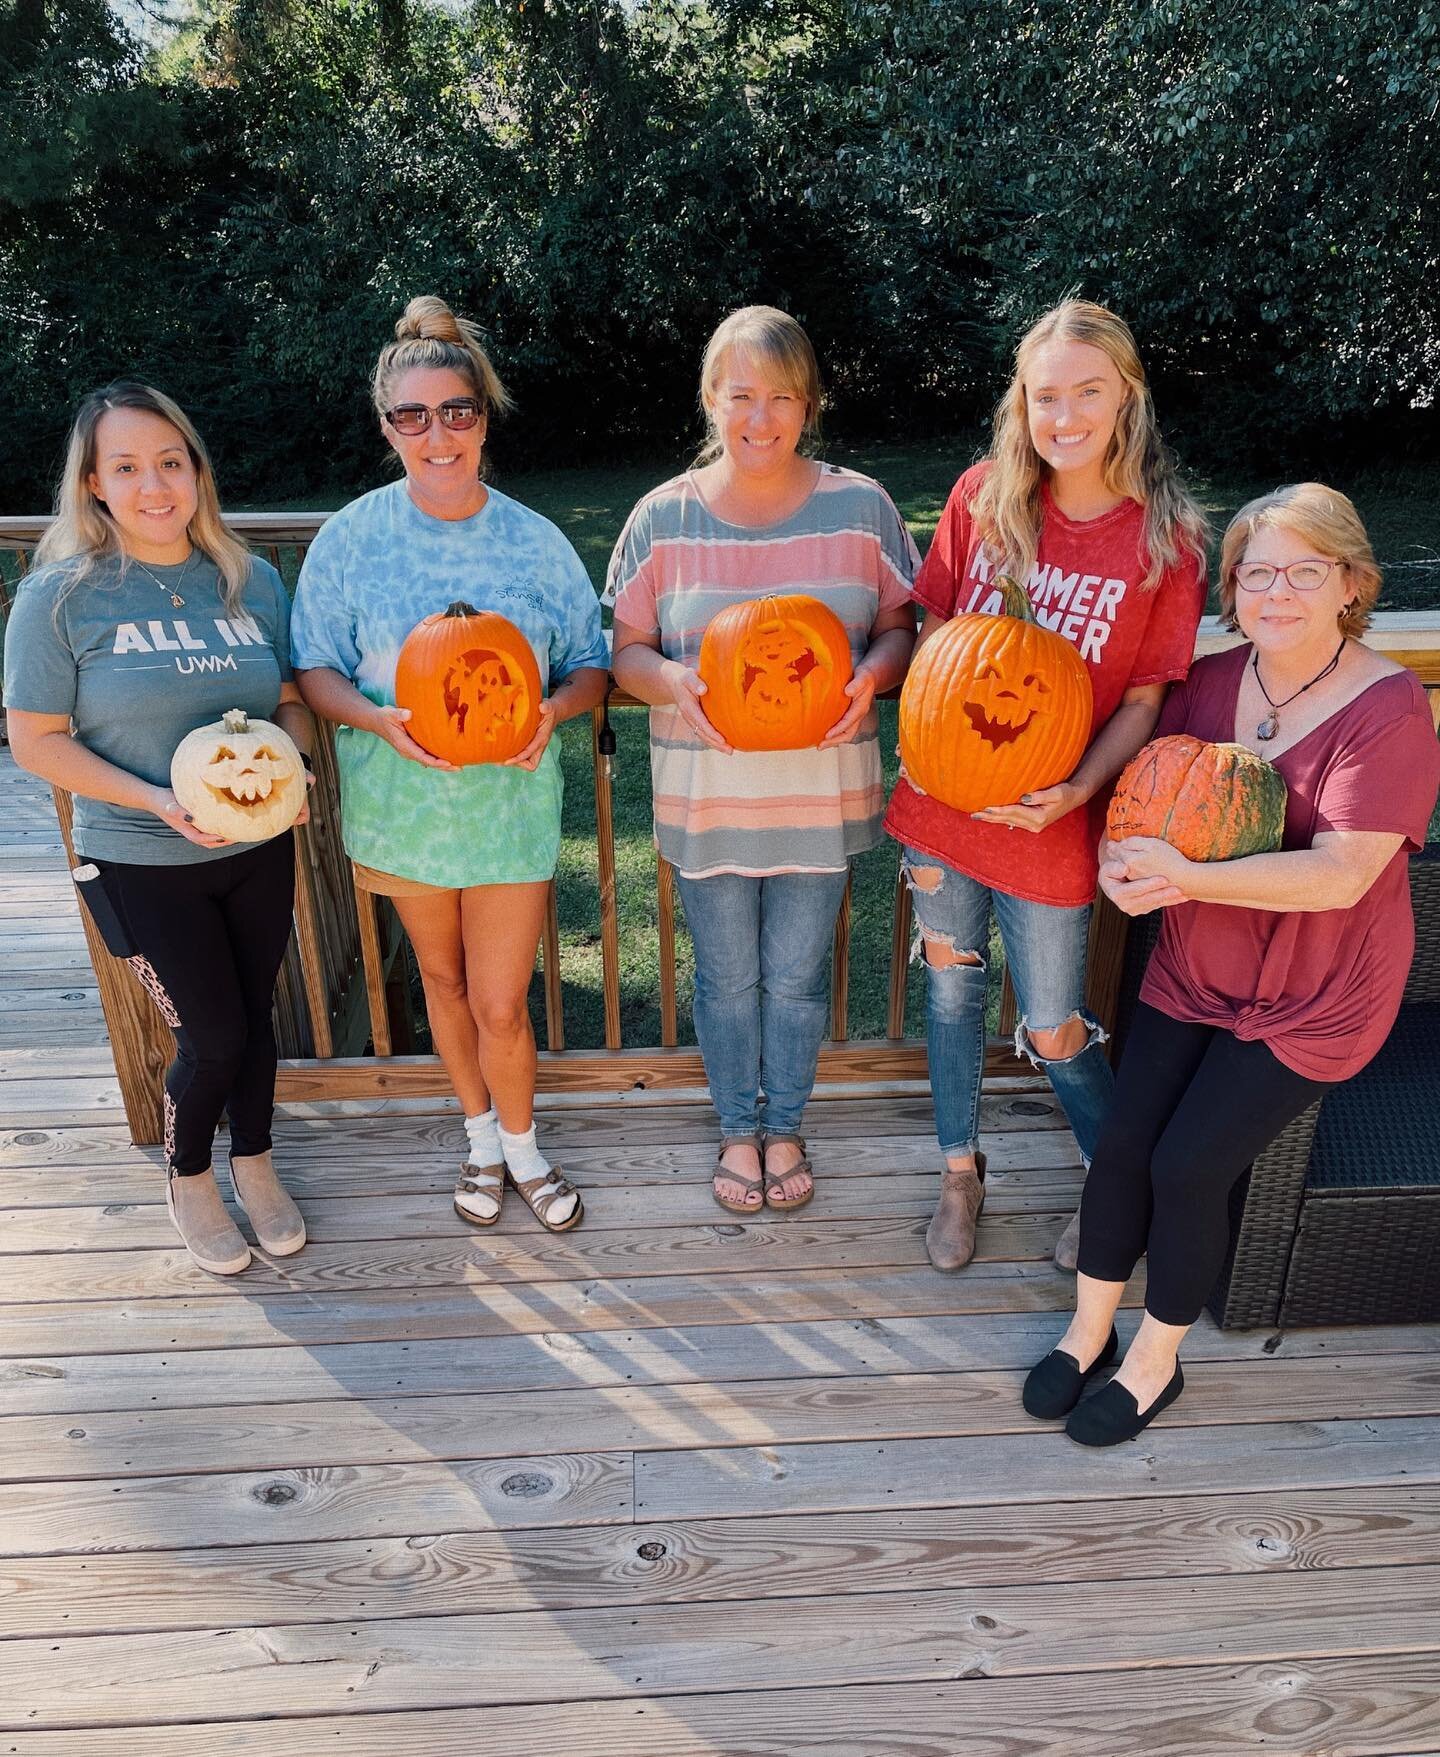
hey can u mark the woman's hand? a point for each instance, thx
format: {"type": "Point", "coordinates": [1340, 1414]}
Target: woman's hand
{"type": "Point", "coordinates": [389, 724]}
{"type": "Point", "coordinates": [529, 757]}
{"type": "Point", "coordinates": [861, 690]}
{"type": "Point", "coordinates": [1038, 810]}
{"type": "Point", "coordinates": [1142, 874]}
{"type": "Point", "coordinates": [170, 811]}
{"type": "Point", "coordinates": [686, 688]}
{"type": "Point", "coordinates": [303, 815]}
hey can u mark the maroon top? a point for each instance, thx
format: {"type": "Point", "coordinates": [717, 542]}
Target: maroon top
{"type": "Point", "coordinates": [1321, 988]}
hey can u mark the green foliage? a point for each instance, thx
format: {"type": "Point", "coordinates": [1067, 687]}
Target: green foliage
{"type": "Point", "coordinates": [240, 212]}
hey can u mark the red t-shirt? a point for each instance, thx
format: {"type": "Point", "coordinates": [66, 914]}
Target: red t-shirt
{"type": "Point", "coordinates": [1320, 989]}
{"type": "Point", "coordinates": [1085, 585]}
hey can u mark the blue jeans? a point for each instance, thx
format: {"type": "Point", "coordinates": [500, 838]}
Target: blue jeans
{"type": "Point", "coordinates": [1045, 950]}
{"type": "Point", "coordinates": [762, 972]}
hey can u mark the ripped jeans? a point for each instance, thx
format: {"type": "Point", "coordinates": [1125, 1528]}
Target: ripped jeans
{"type": "Point", "coordinates": [1045, 950]}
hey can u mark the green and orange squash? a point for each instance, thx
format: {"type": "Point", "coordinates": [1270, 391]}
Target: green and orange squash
{"type": "Point", "coordinates": [1210, 801]}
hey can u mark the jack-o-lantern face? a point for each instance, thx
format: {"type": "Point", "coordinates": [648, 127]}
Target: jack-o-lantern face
{"type": "Point", "coordinates": [241, 778]}
{"type": "Point", "coordinates": [994, 707]}
{"type": "Point", "coordinates": [1000, 708]}
{"type": "Point", "coordinates": [775, 671]}
{"type": "Point", "coordinates": [471, 684]}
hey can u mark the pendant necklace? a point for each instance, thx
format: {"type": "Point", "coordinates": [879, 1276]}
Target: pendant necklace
{"type": "Point", "coordinates": [1270, 725]}
{"type": "Point", "coordinates": [173, 593]}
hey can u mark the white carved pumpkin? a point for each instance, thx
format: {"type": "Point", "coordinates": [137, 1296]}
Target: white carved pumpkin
{"type": "Point", "coordinates": [239, 778]}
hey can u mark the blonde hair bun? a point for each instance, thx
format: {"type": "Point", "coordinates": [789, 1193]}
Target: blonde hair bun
{"type": "Point", "coordinates": [429, 333]}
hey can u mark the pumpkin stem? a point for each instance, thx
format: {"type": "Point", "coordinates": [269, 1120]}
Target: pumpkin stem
{"type": "Point", "coordinates": [1016, 598]}
{"type": "Point", "coordinates": [461, 608]}
{"type": "Point", "coordinates": [235, 721]}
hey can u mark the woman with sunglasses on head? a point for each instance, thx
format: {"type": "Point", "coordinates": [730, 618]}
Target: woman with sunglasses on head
{"type": "Point", "coordinates": [1275, 975]}
{"type": "Point", "coordinates": [145, 619]}
{"type": "Point", "coordinates": [1081, 503]}
{"type": "Point", "coordinates": [465, 854]}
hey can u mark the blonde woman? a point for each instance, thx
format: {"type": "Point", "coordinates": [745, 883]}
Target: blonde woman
{"type": "Point", "coordinates": [466, 855]}
{"type": "Point", "coordinates": [1079, 502]}
{"type": "Point", "coordinates": [761, 840]}
{"type": "Point", "coordinates": [1275, 975]}
{"type": "Point", "coordinates": [145, 617]}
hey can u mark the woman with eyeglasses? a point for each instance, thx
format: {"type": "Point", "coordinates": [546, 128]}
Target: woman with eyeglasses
{"type": "Point", "coordinates": [465, 854]}
{"type": "Point", "coordinates": [1276, 975]}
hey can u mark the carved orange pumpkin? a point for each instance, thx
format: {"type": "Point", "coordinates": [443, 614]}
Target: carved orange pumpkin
{"type": "Point", "coordinates": [994, 707]}
{"type": "Point", "coordinates": [239, 778]}
{"type": "Point", "coordinates": [775, 672]}
{"type": "Point", "coordinates": [472, 686]}
{"type": "Point", "coordinates": [1211, 801]}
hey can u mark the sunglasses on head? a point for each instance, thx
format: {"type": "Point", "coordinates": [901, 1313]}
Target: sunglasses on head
{"type": "Point", "coordinates": [459, 414]}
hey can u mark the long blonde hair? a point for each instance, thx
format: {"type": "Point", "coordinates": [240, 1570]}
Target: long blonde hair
{"type": "Point", "coordinates": [82, 531]}
{"type": "Point", "coordinates": [1008, 508]}
{"type": "Point", "coordinates": [1320, 516]}
{"type": "Point", "coordinates": [774, 339]}
{"type": "Point", "coordinates": [430, 334]}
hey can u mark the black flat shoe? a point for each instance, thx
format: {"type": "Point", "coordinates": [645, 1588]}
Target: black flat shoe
{"type": "Point", "coordinates": [1112, 1414]}
{"type": "Point", "coordinates": [1053, 1385]}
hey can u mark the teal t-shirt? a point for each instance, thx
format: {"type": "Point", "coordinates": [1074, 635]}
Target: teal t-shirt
{"type": "Point", "coordinates": [372, 572]}
{"type": "Point", "coordinates": [136, 673]}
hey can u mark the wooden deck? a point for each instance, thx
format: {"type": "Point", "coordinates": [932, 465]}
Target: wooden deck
{"type": "Point", "coordinates": [672, 1484]}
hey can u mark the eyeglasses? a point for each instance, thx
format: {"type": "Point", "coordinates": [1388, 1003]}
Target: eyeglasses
{"type": "Point", "coordinates": [1300, 576]}
{"type": "Point", "coordinates": [460, 414]}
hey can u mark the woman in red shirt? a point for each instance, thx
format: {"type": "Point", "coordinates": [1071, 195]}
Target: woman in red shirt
{"type": "Point", "coordinates": [1275, 975]}
{"type": "Point", "coordinates": [1079, 500]}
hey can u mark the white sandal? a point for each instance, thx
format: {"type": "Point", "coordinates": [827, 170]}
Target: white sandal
{"type": "Point", "coordinates": [485, 1181]}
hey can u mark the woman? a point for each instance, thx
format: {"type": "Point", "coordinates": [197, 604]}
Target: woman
{"type": "Point", "coordinates": [466, 855]}
{"type": "Point", "coordinates": [1275, 975]}
{"type": "Point", "coordinates": [145, 618]}
{"type": "Point", "coordinates": [1079, 500]}
{"type": "Point", "coordinates": [761, 840]}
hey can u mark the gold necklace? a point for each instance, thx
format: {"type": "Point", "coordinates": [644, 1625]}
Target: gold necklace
{"type": "Point", "coordinates": [171, 591]}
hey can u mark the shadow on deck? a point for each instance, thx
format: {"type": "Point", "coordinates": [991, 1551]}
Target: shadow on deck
{"type": "Point", "coordinates": [674, 1483]}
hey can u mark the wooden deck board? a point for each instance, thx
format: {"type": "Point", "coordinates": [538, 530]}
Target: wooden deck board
{"type": "Point", "coordinates": [681, 1482]}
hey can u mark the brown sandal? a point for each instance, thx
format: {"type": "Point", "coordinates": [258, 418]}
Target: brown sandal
{"type": "Point", "coordinates": [757, 1141]}
{"type": "Point", "coordinates": [480, 1180]}
{"type": "Point", "coordinates": [543, 1192]}
{"type": "Point", "coordinates": [775, 1180]}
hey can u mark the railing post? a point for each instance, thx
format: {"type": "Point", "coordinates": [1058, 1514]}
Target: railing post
{"type": "Point", "coordinates": [140, 1041]}
{"type": "Point", "coordinates": [605, 849]}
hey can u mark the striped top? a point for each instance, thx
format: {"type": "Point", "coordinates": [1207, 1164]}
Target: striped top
{"type": "Point", "coordinates": [675, 566]}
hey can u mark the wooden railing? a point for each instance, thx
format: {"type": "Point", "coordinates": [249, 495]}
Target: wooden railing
{"type": "Point", "coordinates": [344, 986]}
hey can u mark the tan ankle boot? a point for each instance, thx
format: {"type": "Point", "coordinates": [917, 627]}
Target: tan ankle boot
{"type": "Point", "coordinates": [950, 1236]}
{"type": "Point", "coordinates": [279, 1228]}
{"type": "Point", "coordinates": [211, 1236]}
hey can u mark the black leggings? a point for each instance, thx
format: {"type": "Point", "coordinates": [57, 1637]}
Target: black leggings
{"type": "Point", "coordinates": [209, 938]}
{"type": "Point", "coordinates": [1193, 1108]}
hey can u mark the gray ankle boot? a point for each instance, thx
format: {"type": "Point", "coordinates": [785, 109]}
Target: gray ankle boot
{"type": "Point", "coordinates": [279, 1228]}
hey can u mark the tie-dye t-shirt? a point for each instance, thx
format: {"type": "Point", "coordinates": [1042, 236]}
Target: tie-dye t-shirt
{"type": "Point", "coordinates": [676, 564]}
{"type": "Point", "coordinates": [371, 573]}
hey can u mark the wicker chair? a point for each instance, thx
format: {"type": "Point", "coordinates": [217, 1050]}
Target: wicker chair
{"type": "Point", "coordinates": [1338, 1221]}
